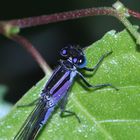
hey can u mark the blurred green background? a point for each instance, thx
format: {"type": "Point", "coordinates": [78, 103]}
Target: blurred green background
{"type": "Point", "coordinates": [18, 71]}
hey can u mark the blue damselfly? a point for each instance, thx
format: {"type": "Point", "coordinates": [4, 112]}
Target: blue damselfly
{"type": "Point", "coordinates": [56, 91]}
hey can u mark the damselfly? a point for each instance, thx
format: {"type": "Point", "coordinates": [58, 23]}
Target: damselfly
{"type": "Point", "coordinates": [56, 91]}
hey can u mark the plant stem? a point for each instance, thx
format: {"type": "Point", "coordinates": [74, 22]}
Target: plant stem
{"type": "Point", "coordinates": [134, 14]}
{"type": "Point", "coordinates": [45, 19]}
{"type": "Point", "coordinates": [120, 12]}
{"type": "Point", "coordinates": [31, 49]}
{"type": "Point", "coordinates": [11, 28]}
{"type": "Point", "coordinates": [131, 29]}
{"type": "Point", "coordinates": [123, 13]}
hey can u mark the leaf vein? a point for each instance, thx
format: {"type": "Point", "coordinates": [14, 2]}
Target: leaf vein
{"type": "Point", "coordinates": [75, 100]}
{"type": "Point", "coordinates": [118, 121]}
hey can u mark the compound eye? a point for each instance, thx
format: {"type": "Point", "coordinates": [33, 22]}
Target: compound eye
{"type": "Point", "coordinates": [74, 60]}
{"type": "Point", "coordinates": [63, 52]}
{"type": "Point", "coordinates": [81, 62]}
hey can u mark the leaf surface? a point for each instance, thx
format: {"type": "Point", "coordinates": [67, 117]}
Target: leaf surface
{"type": "Point", "coordinates": [105, 114]}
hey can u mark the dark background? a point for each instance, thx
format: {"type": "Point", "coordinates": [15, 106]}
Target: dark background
{"type": "Point", "coordinates": [18, 71]}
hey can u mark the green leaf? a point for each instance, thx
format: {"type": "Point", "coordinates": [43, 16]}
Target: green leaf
{"type": "Point", "coordinates": [105, 114]}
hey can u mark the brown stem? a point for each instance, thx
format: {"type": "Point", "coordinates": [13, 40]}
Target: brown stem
{"type": "Point", "coordinates": [134, 14]}
{"type": "Point", "coordinates": [8, 26]}
{"type": "Point", "coordinates": [45, 19]}
{"type": "Point", "coordinates": [35, 54]}
{"type": "Point", "coordinates": [11, 28]}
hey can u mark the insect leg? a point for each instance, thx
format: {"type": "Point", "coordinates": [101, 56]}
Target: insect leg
{"type": "Point", "coordinates": [99, 62]}
{"type": "Point", "coordinates": [67, 113]}
{"type": "Point", "coordinates": [95, 86]}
